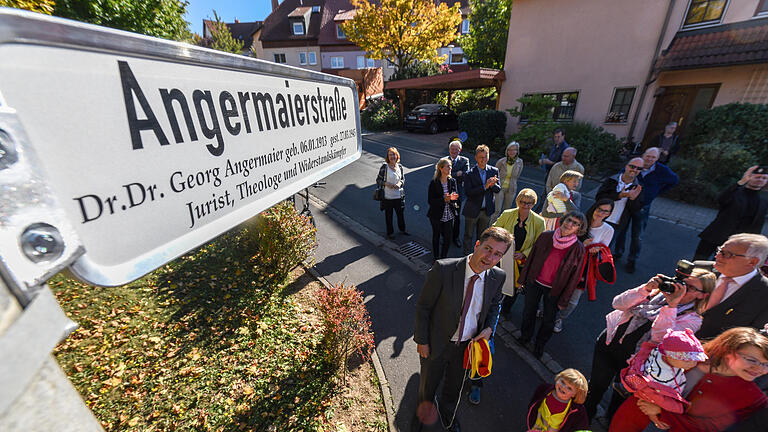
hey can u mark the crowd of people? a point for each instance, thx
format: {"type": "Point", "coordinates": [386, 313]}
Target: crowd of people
{"type": "Point", "coordinates": [681, 354]}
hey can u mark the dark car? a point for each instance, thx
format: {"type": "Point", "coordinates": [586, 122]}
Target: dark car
{"type": "Point", "coordinates": [432, 118]}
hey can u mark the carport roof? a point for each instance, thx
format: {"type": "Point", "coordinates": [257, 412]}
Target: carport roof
{"type": "Point", "coordinates": [473, 78]}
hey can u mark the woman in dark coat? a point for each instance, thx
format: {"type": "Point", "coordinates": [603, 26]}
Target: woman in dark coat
{"type": "Point", "coordinates": [442, 197]}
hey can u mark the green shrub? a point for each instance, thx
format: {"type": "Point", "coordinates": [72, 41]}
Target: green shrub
{"type": "Point", "coordinates": [281, 239]}
{"type": "Point", "coordinates": [722, 143]}
{"type": "Point", "coordinates": [469, 100]}
{"type": "Point", "coordinates": [484, 127]}
{"type": "Point", "coordinates": [380, 114]}
{"type": "Point", "coordinates": [716, 166]}
{"type": "Point", "coordinates": [599, 151]}
{"type": "Point", "coordinates": [536, 131]}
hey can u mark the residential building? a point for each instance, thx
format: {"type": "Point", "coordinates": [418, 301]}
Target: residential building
{"type": "Point", "coordinates": [632, 67]}
{"type": "Point", "coordinates": [248, 33]}
{"type": "Point", "coordinates": [289, 35]}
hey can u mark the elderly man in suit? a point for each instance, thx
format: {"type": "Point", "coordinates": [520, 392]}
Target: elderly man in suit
{"type": "Point", "coordinates": [459, 169]}
{"type": "Point", "coordinates": [740, 298]}
{"type": "Point", "coordinates": [741, 211]}
{"type": "Point", "coordinates": [459, 303]}
{"type": "Point", "coordinates": [481, 186]}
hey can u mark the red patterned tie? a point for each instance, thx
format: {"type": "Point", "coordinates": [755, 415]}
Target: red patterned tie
{"type": "Point", "coordinates": [717, 295]}
{"type": "Point", "coordinates": [465, 307]}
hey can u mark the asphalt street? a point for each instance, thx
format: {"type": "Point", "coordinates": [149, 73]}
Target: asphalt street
{"type": "Point", "coordinates": [352, 250]}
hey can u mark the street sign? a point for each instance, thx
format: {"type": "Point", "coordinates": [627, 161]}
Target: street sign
{"type": "Point", "coordinates": [151, 147]}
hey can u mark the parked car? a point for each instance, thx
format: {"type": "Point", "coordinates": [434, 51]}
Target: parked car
{"type": "Point", "coordinates": [432, 118]}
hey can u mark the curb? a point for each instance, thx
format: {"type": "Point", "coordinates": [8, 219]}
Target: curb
{"type": "Point", "coordinates": [386, 395]}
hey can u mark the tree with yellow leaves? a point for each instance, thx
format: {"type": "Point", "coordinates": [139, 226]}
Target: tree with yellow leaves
{"type": "Point", "coordinates": [402, 31]}
{"type": "Point", "coordinates": [42, 6]}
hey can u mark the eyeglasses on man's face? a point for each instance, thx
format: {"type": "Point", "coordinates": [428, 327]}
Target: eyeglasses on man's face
{"type": "Point", "coordinates": [728, 254]}
{"type": "Point", "coordinates": [634, 167]}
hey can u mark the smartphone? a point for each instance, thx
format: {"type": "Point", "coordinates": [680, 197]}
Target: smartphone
{"type": "Point", "coordinates": [632, 186]}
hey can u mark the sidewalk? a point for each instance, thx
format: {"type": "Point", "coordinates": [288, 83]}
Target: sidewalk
{"type": "Point", "coordinates": [687, 215]}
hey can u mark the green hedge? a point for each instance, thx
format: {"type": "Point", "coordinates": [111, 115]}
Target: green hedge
{"type": "Point", "coordinates": [484, 127]}
{"type": "Point", "coordinates": [599, 151]}
{"type": "Point", "coordinates": [722, 143]}
{"type": "Point", "coordinates": [468, 100]}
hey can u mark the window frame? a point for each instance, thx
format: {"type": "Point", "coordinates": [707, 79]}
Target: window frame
{"type": "Point", "coordinates": [557, 119]}
{"type": "Point", "coordinates": [277, 57]}
{"type": "Point", "coordinates": [461, 54]}
{"type": "Point", "coordinates": [340, 33]}
{"type": "Point", "coordinates": [303, 54]}
{"type": "Point", "coordinates": [370, 63]}
{"type": "Point", "coordinates": [293, 28]}
{"type": "Point", "coordinates": [762, 9]}
{"type": "Point", "coordinates": [338, 66]}
{"type": "Point", "coordinates": [360, 62]}
{"type": "Point", "coordinates": [465, 26]}
{"type": "Point", "coordinates": [315, 9]}
{"type": "Point", "coordinates": [702, 24]}
{"type": "Point", "coordinates": [311, 58]}
{"type": "Point", "coordinates": [611, 107]}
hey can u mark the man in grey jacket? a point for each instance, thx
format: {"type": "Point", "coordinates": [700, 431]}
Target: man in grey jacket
{"type": "Point", "coordinates": [459, 303]}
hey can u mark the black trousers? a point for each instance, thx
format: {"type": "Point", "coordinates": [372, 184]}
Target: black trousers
{"type": "Point", "coordinates": [396, 205]}
{"type": "Point", "coordinates": [446, 367]}
{"type": "Point", "coordinates": [607, 361]}
{"type": "Point", "coordinates": [456, 224]}
{"type": "Point", "coordinates": [533, 295]}
{"type": "Point", "coordinates": [473, 228]}
{"type": "Point", "coordinates": [705, 250]}
{"type": "Point", "coordinates": [444, 230]}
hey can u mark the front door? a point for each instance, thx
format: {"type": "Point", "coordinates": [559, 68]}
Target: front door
{"type": "Point", "coordinates": [679, 104]}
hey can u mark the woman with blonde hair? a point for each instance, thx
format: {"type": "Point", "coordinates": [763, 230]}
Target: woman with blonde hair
{"type": "Point", "coordinates": [510, 167]}
{"type": "Point", "coordinates": [443, 197]}
{"type": "Point", "coordinates": [722, 390]}
{"type": "Point", "coordinates": [558, 407]}
{"type": "Point", "coordinates": [643, 314]}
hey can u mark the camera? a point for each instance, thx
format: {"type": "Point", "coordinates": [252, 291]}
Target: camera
{"type": "Point", "coordinates": [683, 270]}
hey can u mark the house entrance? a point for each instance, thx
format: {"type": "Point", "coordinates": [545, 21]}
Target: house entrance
{"type": "Point", "coordinates": [679, 104]}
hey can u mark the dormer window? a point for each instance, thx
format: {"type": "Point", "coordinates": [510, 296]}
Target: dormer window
{"type": "Point", "coordinates": [315, 9]}
{"type": "Point", "coordinates": [340, 33]}
{"type": "Point", "coordinates": [465, 26]}
{"type": "Point", "coordinates": [298, 28]}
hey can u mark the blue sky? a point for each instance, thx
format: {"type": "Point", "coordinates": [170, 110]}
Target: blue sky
{"type": "Point", "coordinates": [228, 10]}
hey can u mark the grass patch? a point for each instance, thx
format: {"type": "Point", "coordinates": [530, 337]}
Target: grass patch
{"type": "Point", "coordinates": [201, 345]}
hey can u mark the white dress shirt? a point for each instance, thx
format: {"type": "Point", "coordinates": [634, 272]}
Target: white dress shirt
{"type": "Point", "coordinates": [475, 304]}
{"type": "Point", "coordinates": [618, 206]}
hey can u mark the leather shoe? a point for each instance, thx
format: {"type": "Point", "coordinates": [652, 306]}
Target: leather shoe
{"type": "Point", "coordinates": [538, 351]}
{"type": "Point", "coordinates": [457, 242]}
{"type": "Point", "coordinates": [630, 268]}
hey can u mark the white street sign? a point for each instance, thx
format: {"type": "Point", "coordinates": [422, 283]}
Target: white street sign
{"type": "Point", "coordinates": [152, 148]}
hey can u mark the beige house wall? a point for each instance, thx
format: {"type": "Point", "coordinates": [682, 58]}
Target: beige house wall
{"type": "Point", "coordinates": [597, 46]}
{"type": "Point", "coordinates": [292, 56]}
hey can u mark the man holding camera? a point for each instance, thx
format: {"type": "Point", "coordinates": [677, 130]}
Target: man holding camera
{"type": "Point", "coordinates": [741, 211]}
{"type": "Point", "coordinates": [625, 190]}
{"type": "Point", "coordinates": [739, 298]}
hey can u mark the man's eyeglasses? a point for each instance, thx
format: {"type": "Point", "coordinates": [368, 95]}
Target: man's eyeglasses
{"type": "Point", "coordinates": [753, 361]}
{"type": "Point", "coordinates": [728, 254]}
{"type": "Point", "coordinates": [634, 167]}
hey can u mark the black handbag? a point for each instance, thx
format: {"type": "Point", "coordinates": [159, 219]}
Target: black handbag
{"type": "Point", "coordinates": [378, 194]}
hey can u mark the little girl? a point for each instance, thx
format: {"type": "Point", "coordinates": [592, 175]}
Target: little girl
{"type": "Point", "coordinates": [558, 408]}
{"type": "Point", "coordinates": [656, 373]}
{"type": "Point", "coordinates": [559, 196]}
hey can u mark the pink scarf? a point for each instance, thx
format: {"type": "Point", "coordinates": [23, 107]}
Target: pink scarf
{"type": "Point", "coordinates": [560, 242]}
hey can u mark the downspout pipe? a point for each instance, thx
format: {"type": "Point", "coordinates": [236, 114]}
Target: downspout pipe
{"type": "Point", "coordinates": [649, 77]}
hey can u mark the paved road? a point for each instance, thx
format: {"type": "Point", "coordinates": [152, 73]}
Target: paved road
{"type": "Point", "coordinates": [392, 286]}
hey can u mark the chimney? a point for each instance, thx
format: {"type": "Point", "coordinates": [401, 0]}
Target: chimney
{"type": "Point", "coordinates": [275, 3]}
{"type": "Point", "coordinates": [237, 21]}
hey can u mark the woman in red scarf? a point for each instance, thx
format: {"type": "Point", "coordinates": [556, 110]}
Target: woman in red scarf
{"type": "Point", "coordinates": [551, 271]}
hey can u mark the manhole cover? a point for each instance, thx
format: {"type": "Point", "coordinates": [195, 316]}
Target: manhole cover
{"type": "Point", "coordinates": [413, 250]}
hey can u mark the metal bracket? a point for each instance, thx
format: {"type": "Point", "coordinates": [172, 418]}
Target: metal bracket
{"type": "Point", "coordinates": [36, 240]}
{"type": "Point", "coordinates": [28, 342]}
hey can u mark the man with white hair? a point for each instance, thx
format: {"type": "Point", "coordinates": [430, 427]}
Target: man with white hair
{"type": "Point", "coordinates": [667, 142]}
{"type": "Point", "coordinates": [655, 178]}
{"type": "Point", "coordinates": [740, 298]}
{"type": "Point", "coordinates": [568, 163]}
{"type": "Point", "coordinates": [741, 211]}
{"type": "Point", "coordinates": [459, 167]}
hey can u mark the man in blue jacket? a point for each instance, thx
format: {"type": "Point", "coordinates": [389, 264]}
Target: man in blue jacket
{"type": "Point", "coordinates": [480, 185]}
{"type": "Point", "coordinates": [655, 178]}
{"type": "Point", "coordinates": [459, 169]}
